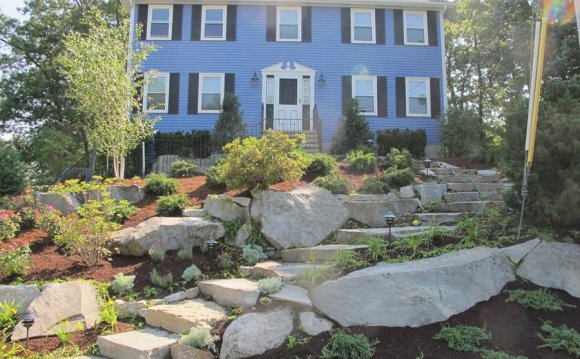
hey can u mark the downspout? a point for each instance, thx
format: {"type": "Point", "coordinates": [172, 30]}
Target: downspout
{"type": "Point", "coordinates": [443, 58]}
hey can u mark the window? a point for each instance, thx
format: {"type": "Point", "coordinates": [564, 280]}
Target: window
{"type": "Point", "coordinates": [364, 89]}
{"type": "Point", "coordinates": [306, 91]}
{"type": "Point", "coordinates": [213, 23]}
{"type": "Point", "coordinates": [270, 90]}
{"type": "Point", "coordinates": [289, 23]}
{"type": "Point", "coordinates": [362, 26]}
{"type": "Point", "coordinates": [418, 99]}
{"type": "Point", "coordinates": [159, 26]}
{"type": "Point", "coordinates": [415, 27]}
{"type": "Point", "coordinates": [156, 93]}
{"type": "Point", "coordinates": [211, 92]}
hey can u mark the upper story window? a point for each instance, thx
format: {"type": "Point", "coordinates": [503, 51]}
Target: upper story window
{"type": "Point", "coordinates": [364, 89]}
{"type": "Point", "coordinates": [363, 26]}
{"type": "Point", "coordinates": [211, 92]}
{"type": "Point", "coordinates": [415, 23]}
{"type": "Point", "coordinates": [418, 99]}
{"type": "Point", "coordinates": [159, 24]}
{"type": "Point", "coordinates": [289, 20]}
{"type": "Point", "coordinates": [213, 23]}
{"type": "Point", "coordinates": [156, 97]}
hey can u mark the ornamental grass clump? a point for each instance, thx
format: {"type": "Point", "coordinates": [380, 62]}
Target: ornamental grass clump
{"type": "Point", "coordinates": [156, 254]}
{"type": "Point", "coordinates": [270, 285]}
{"type": "Point", "coordinates": [161, 281]}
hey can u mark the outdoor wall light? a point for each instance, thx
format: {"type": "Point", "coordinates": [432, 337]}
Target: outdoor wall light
{"type": "Point", "coordinates": [427, 163]}
{"type": "Point", "coordinates": [27, 321]}
{"type": "Point", "coordinates": [255, 79]}
{"type": "Point", "coordinates": [211, 243]}
{"type": "Point", "coordinates": [390, 219]}
{"type": "Point", "coordinates": [321, 80]}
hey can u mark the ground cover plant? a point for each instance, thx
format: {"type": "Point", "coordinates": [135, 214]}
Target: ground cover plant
{"type": "Point", "coordinates": [361, 161]}
{"type": "Point", "coordinates": [333, 183]}
{"type": "Point", "coordinates": [540, 299]}
{"type": "Point", "coordinates": [560, 338]}
{"type": "Point", "coordinates": [343, 345]}
{"type": "Point", "coordinates": [463, 338]}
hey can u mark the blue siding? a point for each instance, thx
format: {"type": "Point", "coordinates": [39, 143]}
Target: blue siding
{"type": "Point", "coordinates": [325, 54]}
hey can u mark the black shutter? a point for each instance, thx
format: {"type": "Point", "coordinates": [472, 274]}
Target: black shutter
{"type": "Point", "coordinates": [306, 24]}
{"type": "Point", "coordinates": [432, 27]}
{"type": "Point", "coordinates": [142, 15]}
{"type": "Point", "coordinates": [138, 94]}
{"type": "Point", "coordinates": [230, 84]}
{"type": "Point", "coordinates": [399, 30]}
{"type": "Point", "coordinates": [380, 26]}
{"type": "Point", "coordinates": [192, 94]}
{"type": "Point", "coordinates": [271, 23]}
{"type": "Point", "coordinates": [401, 97]}
{"type": "Point", "coordinates": [435, 97]}
{"type": "Point", "coordinates": [232, 27]}
{"type": "Point", "coordinates": [382, 99]}
{"type": "Point", "coordinates": [346, 92]}
{"type": "Point", "coordinates": [177, 22]}
{"type": "Point", "coordinates": [195, 22]}
{"type": "Point", "coordinates": [345, 25]}
{"type": "Point", "coordinates": [173, 108]}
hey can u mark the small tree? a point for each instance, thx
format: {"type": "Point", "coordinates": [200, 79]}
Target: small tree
{"type": "Point", "coordinates": [101, 68]}
{"type": "Point", "coordinates": [353, 131]}
{"type": "Point", "coordinates": [460, 130]}
{"type": "Point", "coordinates": [11, 171]}
{"type": "Point", "coordinates": [231, 121]}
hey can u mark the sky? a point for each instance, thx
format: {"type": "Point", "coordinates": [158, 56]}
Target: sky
{"type": "Point", "coordinates": [8, 7]}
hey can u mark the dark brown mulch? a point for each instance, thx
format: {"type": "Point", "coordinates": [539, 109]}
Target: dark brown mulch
{"type": "Point", "coordinates": [466, 162]}
{"type": "Point", "coordinates": [26, 237]}
{"type": "Point", "coordinates": [354, 177]}
{"type": "Point", "coordinates": [514, 330]}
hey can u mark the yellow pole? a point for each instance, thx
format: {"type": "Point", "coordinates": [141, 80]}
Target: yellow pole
{"type": "Point", "coordinates": [538, 87]}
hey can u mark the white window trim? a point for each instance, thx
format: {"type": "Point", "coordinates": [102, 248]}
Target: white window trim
{"type": "Point", "coordinates": [224, 8]}
{"type": "Point", "coordinates": [150, 20]}
{"type": "Point", "coordinates": [373, 26]}
{"type": "Point", "coordinates": [428, 96]}
{"type": "Point", "coordinates": [375, 100]}
{"type": "Point", "coordinates": [165, 109]}
{"type": "Point", "coordinates": [298, 10]}
{"type": "Point", "coordinates": [425, 30]}
{"type": "Point", "coordinates": [202, 76]}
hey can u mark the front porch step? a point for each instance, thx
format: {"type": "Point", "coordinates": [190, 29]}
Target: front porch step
{"type": "Point", "coordinates": [238, 293]}
{"type": "Point", "coordinates": [318, 253]}
{"type": "Point", "coordinates": [473, 187]}
{"type": "Point", "coordinates": [286, 271]}
{"type": "Point", "coordinates": [468, 178]}
{"type": "Point", "coordinates": [145, 343]}
{"type": "Point", "coordinates": [435, 219]}
{"type": "Point", "coordinates": [181, 316]}
{"type": "Point", "coordinates": [451, 197]}
{"type": "Point", "coordinates": [471, 207]}
{"type": "Point", "coordinates": [354, 235]}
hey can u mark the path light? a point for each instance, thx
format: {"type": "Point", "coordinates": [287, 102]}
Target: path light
{"type": "Point", "coordinates": [255, 79]}
{"type": "Point", "coordinates": [427, 163]}
{"type": "Point", "coordinates": [211, 243]}
{"type": "Point", "coordinates": [390, 219]}
{"type": "Point", "coordinates": [27, 321]}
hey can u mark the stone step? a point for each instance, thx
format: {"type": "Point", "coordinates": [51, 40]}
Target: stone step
{"type": "Point", "coordinates": [354, 235]}
{"type": "Point", "coordinates": [453, 171]}
{"type": "Point", "coordinates": [472, 187]}
{"type": "Point", "coordinates": [145, 343]}
{"type": "Point", "coordinates": [286, 271]}
{"type": "Point", "coordinates": [472, 207]}
{"type": "Point", "coordinates": [318, 253]}
{"type": "Point", "coordinates": [181, 316]}
{"type": "Point", "coordinates": [238, 293]}
{"type": "Point", "coordinates": [451, 197]}
{"type": "Point", "coordinates": [293, 295]}
{"type": "Point", "coordinates": [428, 219]}
{"type": "Point", "coordinates": [468, 178]}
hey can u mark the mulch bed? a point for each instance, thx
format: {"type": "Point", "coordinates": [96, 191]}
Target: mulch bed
{"type": "Point", "coordinates": [513, 329]}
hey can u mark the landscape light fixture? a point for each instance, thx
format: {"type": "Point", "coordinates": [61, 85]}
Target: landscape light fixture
{"type": "Point", "coordinates": [210, 243]}
{"type": "Point", "coordinates": [427, 163]}
{"type": "Point", "coordinates": [27, 321]}
{"type": "Point", "coordinates": [390, 219]}
{"type": "Point", "coordinates": [321, 80]}
{"type": "Point", "coordinates": [255, 79]}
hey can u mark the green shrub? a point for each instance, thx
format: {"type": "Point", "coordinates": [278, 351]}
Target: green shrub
{"type": "Point", "coordinates": [49, 221]}
{"type": "Point", "coordinates": [333, 183]}
{"type": "Point", "coordinates": [413, 140]}
{"type": "Point", "coordinates": [109, 315]}
{"type": "Point", "coordinates": [463, 338]}
{"type": "Point", "coordinates": [182, 168]}
{"type": "Point", "coordinates": [225, 261]}
{"type": "Point", "coordinates": [161, 281]}
{"type": "Point", "coordinates": [561, 338]}
{"type": "Point", "coordinates": [270, 285]}
{"type": "Point", "coordinates": [123, 284]}
{"type": "Point", "coordinates": [377, 250]}
{"type": "Point", "coordinates": [161, 185]}
{"type": "Point", "coordinates": [185, 255]}
{"type": "Point", "coordinates": [196, 143]}
{"type": "Point", "coordinates": [494, 354]}
{"type": "Point", "coordinates": [343, 346]}
{"type": "Point", "coordinates": [122, 211]}
{"type": "Point", "coordinates": [9, 224]}
{"type": "Point", "coordinates": [8, 316]}
{"type": "Point", "coordinates": [265, 301]}
{"type": "Point", "coordinates": [213, 174]}
{"type": "Point", "coordinates": [172, 205]}
{"type": "Point", "coordinates": [539, 299]}
{"type": "Point", "coordinates": [191, 273]}
{"type": "Point", "coordinates": [12, 171]}
{"type": "Point", "coordinates": [258, 163]}
{"type": "Point", "coordinates": [256, 237]}
{"type": "Point", "coordinates": [230, 123]}
{"type": "Point", "coordinates": [461, 130]}
{"type": "Point", "coordinates": [361, 161]}
{"type": "Point", "coordinates": [321, 163]}
{"type": "Point", "coordinates": [399, 158]}
{"type": "Point", "coordinates": [397, 178]}
{"type": "Point", "coordinates": [253, 254]}
{"type": "Point", "coordinates": [374, 186]}
{"type": "Point", "coordinates": [353, 132]}
{"type": "Point", "coordinates": [14, 262]}
{"type": "Point", "coordinates": [347, 260]}
{"type": "Point", "coordinates": [232, 227]}
{"type": "Point", "coordinates": [198, 338]}
{"type": "Point", "coordinates": [156, 254]}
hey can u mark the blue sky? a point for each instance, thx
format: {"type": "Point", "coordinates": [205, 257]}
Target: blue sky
{"type": "Point", "coordinates": [8, 7]}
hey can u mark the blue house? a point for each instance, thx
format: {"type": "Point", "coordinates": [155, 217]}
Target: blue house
{"type": "Point", "coordinates": [293, 64]}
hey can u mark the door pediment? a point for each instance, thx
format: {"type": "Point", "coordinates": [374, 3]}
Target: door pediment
{"type": "Point", "coordinates": [288, 67]}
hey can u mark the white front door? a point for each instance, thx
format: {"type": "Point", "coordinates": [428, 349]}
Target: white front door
{"type": "Point", "coordinates": [288, 103]}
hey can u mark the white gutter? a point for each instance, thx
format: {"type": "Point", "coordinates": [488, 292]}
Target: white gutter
{"type": "Point", "coordinates": [443, 58]}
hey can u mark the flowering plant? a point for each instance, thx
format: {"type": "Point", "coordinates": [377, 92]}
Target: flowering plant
{"type": "Point", "coordinates": [9, 224]}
